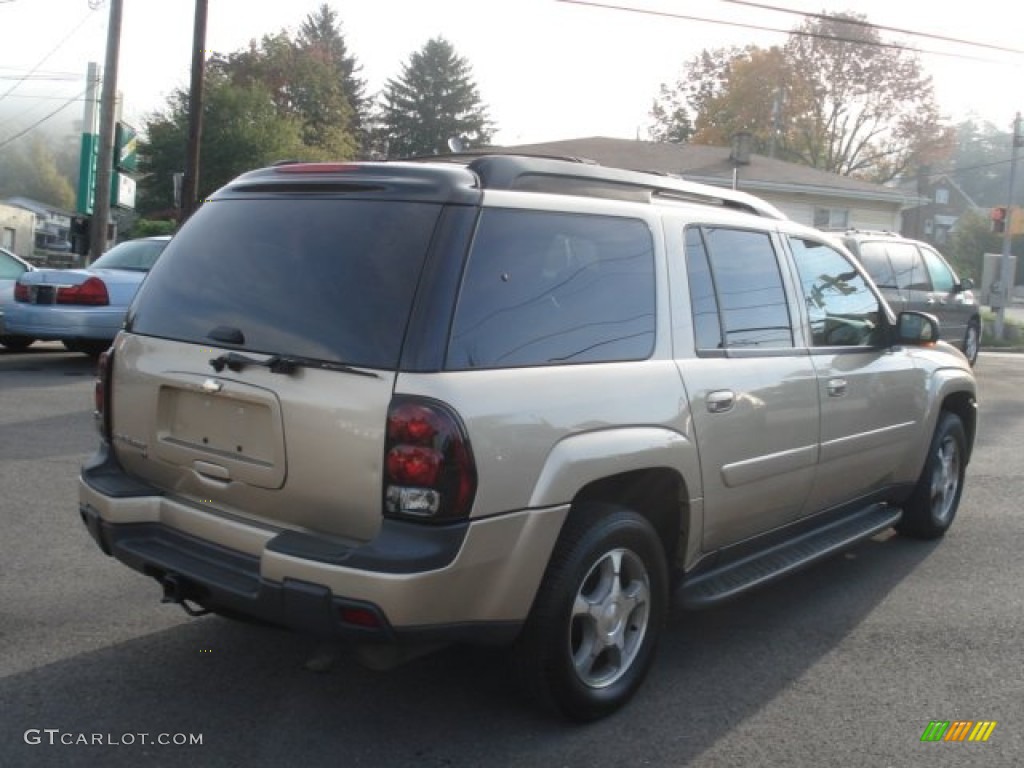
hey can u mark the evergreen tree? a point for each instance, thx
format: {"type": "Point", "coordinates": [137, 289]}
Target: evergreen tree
{"type": "Point", "coordinates": [434, 100]}
{"type": "Point", "coordinates": [320, 36]}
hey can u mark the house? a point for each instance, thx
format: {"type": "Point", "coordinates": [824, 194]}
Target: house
{"type": "Point", "coordinates": [53, 225]}
{"type": "Point", "coordinates": [17, 230]}
{"type": "Point", "coordinates": [943, 203]}
{"type": "Point", "coordinates": [807, 195]}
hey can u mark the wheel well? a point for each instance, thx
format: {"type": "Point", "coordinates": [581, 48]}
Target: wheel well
{"type": "Point", "coordinates": [963, 405]}
{"type": "Point", "coordinates": [659, 494]}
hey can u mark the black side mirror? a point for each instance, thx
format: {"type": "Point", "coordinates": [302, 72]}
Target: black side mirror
{"type": "Point", "coordinates": [917, 329]}
{"type": "Point", "coordinates": [965, 284]}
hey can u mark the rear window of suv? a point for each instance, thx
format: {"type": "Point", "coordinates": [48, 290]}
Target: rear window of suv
{"type": "Point", "coordinates": [327, 279]}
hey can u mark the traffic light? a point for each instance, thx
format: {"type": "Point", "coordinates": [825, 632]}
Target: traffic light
{"type": "Point", "coordinates": [999, 216]}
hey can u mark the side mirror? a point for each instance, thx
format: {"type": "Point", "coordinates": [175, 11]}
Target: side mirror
{"type": "Point", "coordinates": [965, 284]}
{"type": "Point", "coordinates": [917, 329]}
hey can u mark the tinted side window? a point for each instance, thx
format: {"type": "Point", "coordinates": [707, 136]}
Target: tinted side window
{"type": "Point", "coordinates": [908, 267]}
{"type": "Point", "coordinates": [942, 278]}
{"type": "Point", "coordinates": [707, 327]}
{"type": "Point", "coordinates": [544, 288]}
{"type": "Point", "coordinates": [842, 309]}
{"type": "Point", "coordinates": [876, 261]}
{"type": "Point", "coordinates": [749, 288]}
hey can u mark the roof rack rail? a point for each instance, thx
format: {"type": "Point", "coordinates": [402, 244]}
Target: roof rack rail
{"type": "Point", "coordinates": [586, 178]}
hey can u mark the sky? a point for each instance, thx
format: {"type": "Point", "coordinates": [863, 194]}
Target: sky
{"type": "Point", "coordinates": [547, 69]}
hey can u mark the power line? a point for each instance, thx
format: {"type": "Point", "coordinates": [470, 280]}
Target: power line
{"type": "Point", "coordinates": [48, 55]}
{"type": "Point", "coordinates": [39, 122]}
{"type": "Point", "coordinates": [870, 25]}
{"type": "Point", "coordinates": [763, 28]}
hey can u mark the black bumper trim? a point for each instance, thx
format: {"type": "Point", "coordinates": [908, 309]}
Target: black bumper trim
{"type": "Point", "coordinates": [229, 582]}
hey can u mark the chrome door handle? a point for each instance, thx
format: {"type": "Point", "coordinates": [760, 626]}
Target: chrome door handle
{"type": "Point", "coordinates": [836, 387]}
{"type": "Point", "coordinates": [720, 401]}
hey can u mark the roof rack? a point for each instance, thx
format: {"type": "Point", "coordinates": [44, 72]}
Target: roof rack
{"type": "Point", "coordinates": [576, 177]}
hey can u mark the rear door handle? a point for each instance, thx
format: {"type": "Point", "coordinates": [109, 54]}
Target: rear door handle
{"type": "Point", "coordinates": [720, 401]}
{"type": "Point", "coordinates": [836, 387]}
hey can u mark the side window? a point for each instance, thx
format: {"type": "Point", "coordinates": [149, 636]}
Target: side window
{"type": "Point", "coordinates": [841, 307]}
{"type": "Point", "coordinates": [875, 260]}
{"type": "Point", "coordinates": [9, 268]}
{"type": "Point", "coordinates": [707, 327]}
{"type": "Point", "coordinates": [542, 288]}
{"type": "Point", "coordinates": [908, 267]}
{"type": "Point", "coordinates": [942, 278]}
{"type": "Point", "coordinates": [748, 284]}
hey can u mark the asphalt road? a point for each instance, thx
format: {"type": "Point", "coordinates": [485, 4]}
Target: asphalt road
{"type": "Point", "coordinates": [844, 664]}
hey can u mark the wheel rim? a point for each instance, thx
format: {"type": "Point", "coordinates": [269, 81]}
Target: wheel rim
{"type": "Point", "coordinates": [945, 480]}
{"type": "Point", "coordinates": [971, 343]}
{"type": "Point", "coordinates": [609, 618]}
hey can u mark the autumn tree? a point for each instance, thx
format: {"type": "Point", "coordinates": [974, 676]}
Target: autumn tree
{"type": "Point", "coordinates": [304, 85]}
{"type": "Point", "coordinates": [321, 38]}
{"type": "Point", "coordinates": [834, 97]}
{"type": "Point", "coordinates": [433, 100]}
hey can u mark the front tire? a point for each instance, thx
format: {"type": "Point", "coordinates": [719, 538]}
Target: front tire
{"type": "Point", "coordinates": [972, 342]}
{"type": "Point", "coordinates": [931, 508]}
{"type": "Point", "coordinates": [594, 627]}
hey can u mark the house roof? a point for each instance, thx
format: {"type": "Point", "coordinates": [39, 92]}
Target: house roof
{"type": "Point", "coordinates": [712, 165]}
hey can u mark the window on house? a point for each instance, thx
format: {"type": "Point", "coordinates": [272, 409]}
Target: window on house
{"type": "Point", "coordinates": [941, 196]}
{"type": "Point", "coordinates": [7, 238]}
{"type": "Point", "coordinates": [832, 218]}
{"type": "Point", "coordinates": [928, 226]}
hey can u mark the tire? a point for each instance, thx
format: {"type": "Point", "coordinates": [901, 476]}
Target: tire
{"type": "Point", "coordinates": [91, 347]}
{"type": "Point", "coordinates": [972, 342]}
{"type": "Point", "coordinates": [16, 343]}
{"type": "Point", "coordinates": [594, 627]}
{"type": "Point", "coordinates": [929, 512]}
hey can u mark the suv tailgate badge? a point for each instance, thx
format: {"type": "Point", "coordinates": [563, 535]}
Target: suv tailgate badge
{"type": "Point", "coordinates": [212, 386]}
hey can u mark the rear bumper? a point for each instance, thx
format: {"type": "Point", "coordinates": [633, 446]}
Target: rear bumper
{"type": "Point", "coordinates": [473, 582]}
{"type": "Point", "coordinates": [57, 322]}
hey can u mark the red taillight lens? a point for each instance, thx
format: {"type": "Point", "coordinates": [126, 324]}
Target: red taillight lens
{"type": "Point", "coordinates": [20, 292]}
{"type": "Point", "coordinates": [429, 472]}
{"type": "Point", "coordinates": [93, 292]}
{"type": "Point", "coordinates": [101, 393]}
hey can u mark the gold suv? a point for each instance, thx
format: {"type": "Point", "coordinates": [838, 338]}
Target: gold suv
{"type": "Point", "coordinates": [510, 400]}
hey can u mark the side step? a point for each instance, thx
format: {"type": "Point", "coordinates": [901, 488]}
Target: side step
{"type": "Point", "coordinates": [738, 576]}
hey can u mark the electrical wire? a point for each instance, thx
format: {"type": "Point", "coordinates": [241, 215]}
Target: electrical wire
{"type": "Point", "coordinates": [870, 25]}
{"type": "Point", "coordinates": [763, 28]}
{"type": "Point", "coordinates": [48, 55]}
{"type": "Point", "coordinates": [39, 122]}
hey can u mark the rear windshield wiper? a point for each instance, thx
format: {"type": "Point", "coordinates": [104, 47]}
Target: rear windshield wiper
{"type": "Point", "coordinates": [286, 364]}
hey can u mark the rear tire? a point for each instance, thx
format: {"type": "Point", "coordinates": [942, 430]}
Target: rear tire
{"type": "Point", "coordinates": [594, 627]}
{"type": "Point", "coordinates": [931, 508]}
{"type": "Point", "coordinates": [16, 343]}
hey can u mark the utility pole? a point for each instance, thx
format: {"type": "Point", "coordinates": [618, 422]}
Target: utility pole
{"type": "Point", "coordinates": [105, 156]}
{"type": "Point", "coordinates": [190, 184]}
{"type": "Point", "coordinates": [1006, 280]}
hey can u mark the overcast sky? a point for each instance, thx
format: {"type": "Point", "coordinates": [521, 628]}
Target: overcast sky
{"type": "Point", "coordinates": [547, 69]}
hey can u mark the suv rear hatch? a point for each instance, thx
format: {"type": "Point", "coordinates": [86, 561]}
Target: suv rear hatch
{"type": "Point", "coordinates": [259, 358]}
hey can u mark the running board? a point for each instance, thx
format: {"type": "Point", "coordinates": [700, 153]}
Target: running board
{"type": "Point", "coordinates": [736, 577]}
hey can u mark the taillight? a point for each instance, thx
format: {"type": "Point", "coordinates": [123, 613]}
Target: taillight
{"type": "Point", "coordinates": [101, 393]}
{"type": "Point", "coordinates": [429, 472]}
{"type": "Point", "coordinates": [20, 292]}
{"type": "Point", "coordinates": [93, 292]}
